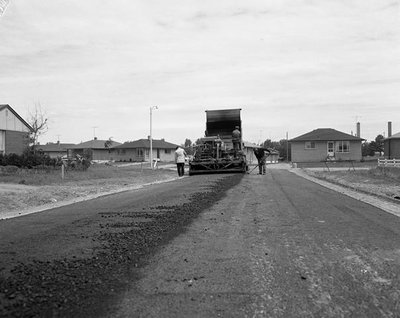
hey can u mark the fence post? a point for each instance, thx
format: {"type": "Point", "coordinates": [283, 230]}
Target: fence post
{"type": "Point", "coordinates": [62, 171]}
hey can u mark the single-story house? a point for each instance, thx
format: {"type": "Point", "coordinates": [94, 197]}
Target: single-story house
{"type": "Point", "coordinates": [324, 144]}
{"type": "Point", "coordinates": [14, 131]}
{"type": "Point", "coordinates": [93, 149]}
{"type": "Point", "coordinates": [392, 146]}
{"type": "Point", "coordinates": [54, 150]}
{"type": "Point", "coordinates": [139, 150]}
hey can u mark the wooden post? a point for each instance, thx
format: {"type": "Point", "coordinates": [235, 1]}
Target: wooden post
{"type": "Point", "coordinates": [62, 171]}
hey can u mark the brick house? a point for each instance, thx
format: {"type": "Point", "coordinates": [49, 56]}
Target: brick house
{"type": "Point", "coordinates": [14, 131]}
{"type": "Point", "coordinates": [93, 149]}
{"type": "Point", "coordinates": [324, 144]}
{"type": "Point", "coordinates": [139, 150]}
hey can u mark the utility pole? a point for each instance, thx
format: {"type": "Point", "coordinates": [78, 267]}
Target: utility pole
{"type": "Point", "coordinates": [151, 136]}
{"type": "Point", "coordinates": [287, 147]}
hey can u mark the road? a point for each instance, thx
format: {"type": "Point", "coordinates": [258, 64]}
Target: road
{"type": "Point", "coordinates": [255, 246]}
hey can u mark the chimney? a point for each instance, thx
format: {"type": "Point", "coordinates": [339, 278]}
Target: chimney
{"type": "Point", "coordinates": [389, 129]}
{"type": "Point", "coordinates": [358, 130]}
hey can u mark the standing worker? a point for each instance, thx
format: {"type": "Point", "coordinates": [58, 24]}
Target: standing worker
{"type": "Point", "coordinates": [236, 139]}
{"type": "Point", "coordinates": [180, 155]}
{"type": "Point", "coordinates": [261, 155]}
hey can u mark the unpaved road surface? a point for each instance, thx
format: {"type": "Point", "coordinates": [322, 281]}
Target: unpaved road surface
{"type": "Point", "coordinates": [205, 246]}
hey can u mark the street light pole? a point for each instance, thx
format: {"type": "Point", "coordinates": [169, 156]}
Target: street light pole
{"type": "Point", "coordinates": [151, 137]}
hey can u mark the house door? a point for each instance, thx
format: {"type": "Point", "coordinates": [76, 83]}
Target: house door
{"type": "Point", "coordinates": [158, 153]}
{"type": "Point", "coordinates": [331, 149]}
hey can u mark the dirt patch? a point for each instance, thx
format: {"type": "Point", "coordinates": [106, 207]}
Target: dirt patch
{"type": "Point", "coordinates": [20, 199]}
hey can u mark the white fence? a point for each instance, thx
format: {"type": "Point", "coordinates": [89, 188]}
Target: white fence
{"type": "Point", "coordinates": [389, 162]}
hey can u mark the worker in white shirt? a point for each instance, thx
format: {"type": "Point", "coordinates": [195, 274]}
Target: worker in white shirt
{"type": "Point", "coordinates": [180, 156]}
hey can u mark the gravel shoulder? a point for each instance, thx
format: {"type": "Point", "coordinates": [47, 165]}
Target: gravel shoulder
{"type": "Point", "coordinates": [381, 194]}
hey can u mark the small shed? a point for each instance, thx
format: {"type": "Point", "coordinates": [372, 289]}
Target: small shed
{"type": "Point", "coordinates": [248, 150]}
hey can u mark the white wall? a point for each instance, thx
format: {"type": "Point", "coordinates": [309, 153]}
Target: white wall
{"type": "Point", "coordinates": [8, 121]}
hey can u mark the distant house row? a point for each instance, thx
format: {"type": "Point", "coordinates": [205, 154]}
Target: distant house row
{"type": "Point", "coordinates": [318, 145]}
{"type": "Point", "coordinates": [100, 150]}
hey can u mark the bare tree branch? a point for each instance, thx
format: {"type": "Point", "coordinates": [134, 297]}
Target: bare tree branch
{"type": "Point", "coordinates": [39, 123]}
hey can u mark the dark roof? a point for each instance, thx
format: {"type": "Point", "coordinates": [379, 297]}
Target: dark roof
{"type": "Point", "coordinates": [395, 136]}
{"type": "Point", "coordinates": [325, 134]}
{"type": "Point", "coordinates": [3, 106]}
{"type": "Point", "coordinates": [54, 146]}
{"type": "Point", "coordinates": [94, 144]}
{"type": "Point", "coordinates": [145, 143]}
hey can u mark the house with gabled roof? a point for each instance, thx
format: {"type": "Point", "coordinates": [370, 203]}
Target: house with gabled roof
{"type": "Point", "coordinates": [14, 131]}
{"type": "Point", "coordinates": [95, 149]}
{"type": "Point", "coordinates": [324, 144]}
{"type": "Point", "coordinates": [54, 149]}
{"type": "Point", "coordinates": [139, 150]}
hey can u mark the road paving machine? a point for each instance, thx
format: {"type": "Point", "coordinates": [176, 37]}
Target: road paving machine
{"type": "Point", "coordinates": [215, 152]}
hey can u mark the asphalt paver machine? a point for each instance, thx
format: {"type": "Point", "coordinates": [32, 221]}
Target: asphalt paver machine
{"type": "Point", "coordinates": [215, 153]}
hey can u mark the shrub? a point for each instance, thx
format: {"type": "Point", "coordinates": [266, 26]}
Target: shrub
{"type": "Point", "coordinates": [28, 159]}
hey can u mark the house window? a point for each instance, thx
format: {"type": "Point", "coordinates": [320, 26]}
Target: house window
{"type": "Point", "coordinates": [343, 146]}
{"type": "Point", "coordinates": [167, 151]}
{"type": "Point", "coordinates": [140, 152]}
{"type": "Point", "coordinates": [310, 145]}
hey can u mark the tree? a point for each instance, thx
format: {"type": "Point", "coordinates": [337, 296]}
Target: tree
{"type": "Point", "coordinates": [365, 149]}
{"type": "Point", "coordinates": [108, 144]}
{"type": "Point", "coordinates": [280, 146]}
{"type": "Point", "coordinates": [379, 144]}
{"type": "Point", "coordinates": [38, 121]}
{"type": "Point", "coordinates": [187, 143]}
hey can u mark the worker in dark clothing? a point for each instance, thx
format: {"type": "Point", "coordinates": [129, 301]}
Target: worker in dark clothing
{"type": "Point", "coordinates": [236, 139]}
{"type": "Point", "coordinates": [261, 155]}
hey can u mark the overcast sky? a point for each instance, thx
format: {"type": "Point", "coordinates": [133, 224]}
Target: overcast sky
{"type": "Point", "coordinates": [291, 66]}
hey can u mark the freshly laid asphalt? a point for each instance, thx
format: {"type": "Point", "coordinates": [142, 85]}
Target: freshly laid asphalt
{"type": "Point", "coordinates": [206, 246]}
